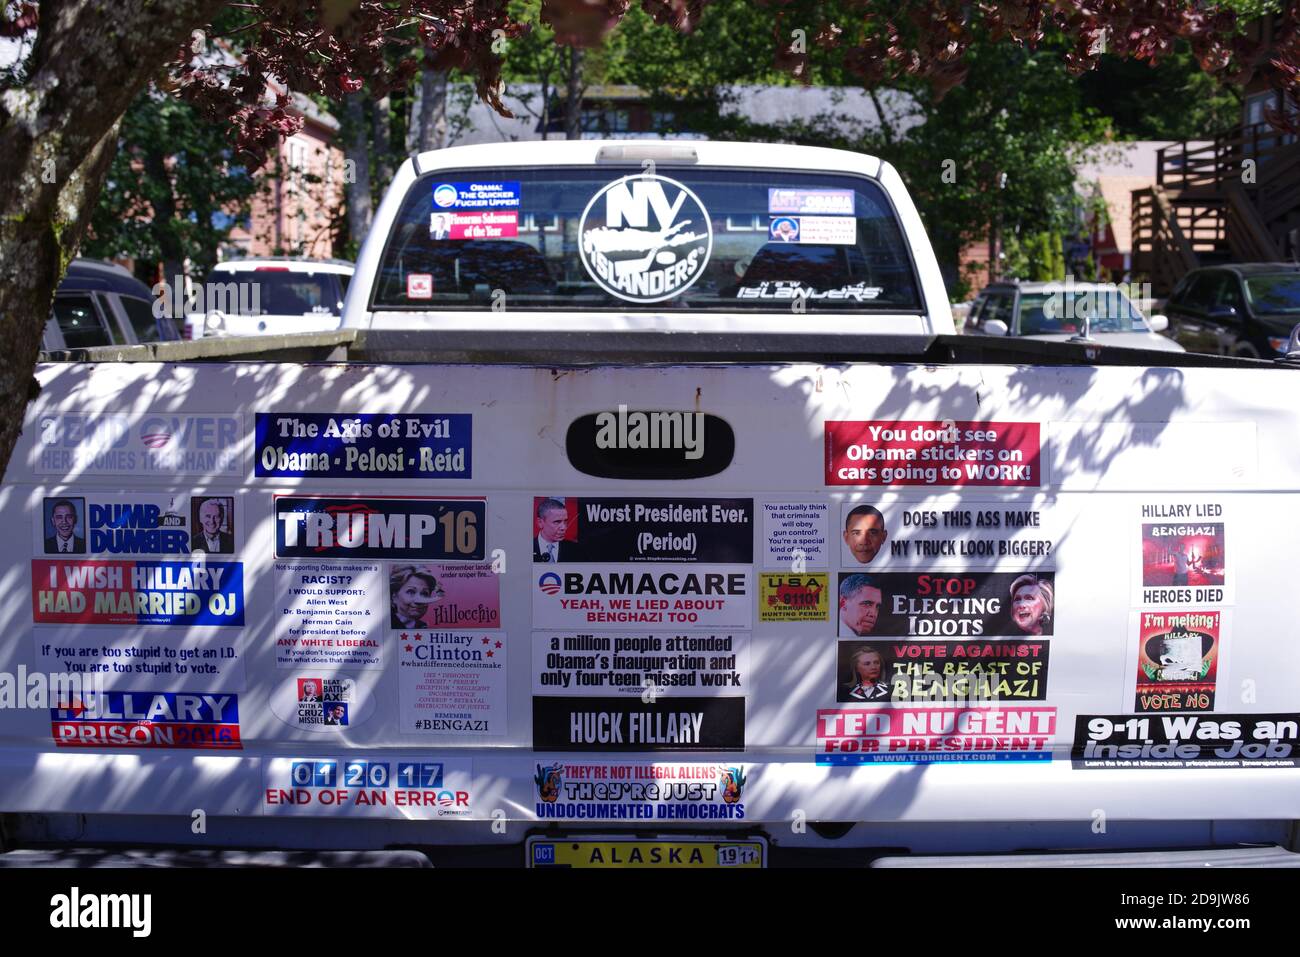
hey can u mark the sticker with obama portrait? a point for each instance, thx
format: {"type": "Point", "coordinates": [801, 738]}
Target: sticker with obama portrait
{"type": "Point", "coordinates": [947, 605]}
{"type": "Point", "coordinates": [950, 529]}
{"type": "Point", "coordinates": [677, 529]}
{"type": "Point", "coordinates": [63, 527]}
{"type": "Point", "coordinates": [864, 535]}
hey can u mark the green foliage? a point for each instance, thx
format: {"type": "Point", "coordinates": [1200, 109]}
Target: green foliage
{"type": "Point", "coordinates": [1014, 130]}
{"type": "Point", "coordinates": [1040, 257]}
{"type": "Point", "coordinates": [1057, 256]}
{"type": "Point", "coordinates": [1250, 9]}
{"type": "Point", "coordinates": [1015, 264]}
{"type": "Point", "coordinates": [732, 44]}
{"type": "Point", "coordinates": [1173, 100]}
{"type": "Point", "coordinates": [170, 196]}
{"type": "Point", "coordinates": [1034, 257]}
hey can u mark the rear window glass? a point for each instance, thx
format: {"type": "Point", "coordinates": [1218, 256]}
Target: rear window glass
{"type": "Point", "coordinates": [618, 238]}
{"type": "Point", "coordinates": [80, 323]}
{"type": "Point", "coordinates": [285, 293]}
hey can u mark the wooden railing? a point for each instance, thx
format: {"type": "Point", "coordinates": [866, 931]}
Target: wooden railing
{"type": "Point", "coordinates": [1278, 182]}
{"type": "Point", "coordinates": [1162, 252]}
{"type": "Point", "coordinates": [1247, 234]}
{"type": "Point", "coordinates": [1208, 165]}
{"type": "Point", "coordinates": [1211, 205]}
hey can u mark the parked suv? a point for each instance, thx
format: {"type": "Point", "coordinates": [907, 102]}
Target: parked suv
{"type": "Point", "coordinates": [1244, 310]}
{"type": "Point", "coordinates": [1055, 311]}
{"type": "Point", "coordinates": [270, 296]}
{"type": "Point", "coordinates": [102, 304]}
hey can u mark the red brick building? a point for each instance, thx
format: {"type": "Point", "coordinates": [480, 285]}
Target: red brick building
{"type": "Point", "coordinates": [295, 211]}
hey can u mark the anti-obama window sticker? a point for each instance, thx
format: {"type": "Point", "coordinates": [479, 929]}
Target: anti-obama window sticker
{"type": "Point", "coordinates": [645, 238]}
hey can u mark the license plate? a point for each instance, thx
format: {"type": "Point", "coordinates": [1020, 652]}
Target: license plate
{"type": "Point", "coordinates": [634, 853]}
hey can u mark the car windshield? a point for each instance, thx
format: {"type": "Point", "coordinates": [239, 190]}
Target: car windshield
{"type": "Point", "coordinates": [619, 238]}
{"type": "Point", "coordinates": [1063, 311]}
{"type": "Point", "coordinates": [1278, 293]}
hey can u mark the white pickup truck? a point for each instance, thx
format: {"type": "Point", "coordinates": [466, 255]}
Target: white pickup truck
{"type": "Point", "coordinates": [853, 585]}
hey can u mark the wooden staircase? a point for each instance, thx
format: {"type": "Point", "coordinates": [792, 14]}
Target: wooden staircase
{"type": "Point", "coordinates": [1236, 199]}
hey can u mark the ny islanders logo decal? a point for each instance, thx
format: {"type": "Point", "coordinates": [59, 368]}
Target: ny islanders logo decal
{"type": "Point", "coordinates": [645, 238]}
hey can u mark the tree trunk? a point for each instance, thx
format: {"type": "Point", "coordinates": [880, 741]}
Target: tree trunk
{"type": "Point", "coordinates": [383, 143]}
{"type": "Point", "coordinates": [431, 123]}
{"type": "Point", "coordinates": [164, 211]}
{"type": "Point", "coordinates": [544, 84]}
{"type": "Point", "coordinates": [58, 133]}
{"type": "Point", "coordinates": [573, 97]}
{"type": "Point", "coordinates": [357, 168]}
{"type": "Point", "coordinates": [886, 130]}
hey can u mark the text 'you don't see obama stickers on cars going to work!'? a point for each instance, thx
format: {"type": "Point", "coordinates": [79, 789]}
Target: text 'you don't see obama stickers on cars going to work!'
{"type": "Point", "coordinates": [645, 238]}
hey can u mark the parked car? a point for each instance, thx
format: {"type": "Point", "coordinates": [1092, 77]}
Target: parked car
{"type": "Point", "coordinates": [102, 304]}
{"type": "Point", "coordinates": [1056, 312]}
{"type": "Point", "coordinates": [270, 296]}
{"type": "Point", "coordinates": [1244, 310]}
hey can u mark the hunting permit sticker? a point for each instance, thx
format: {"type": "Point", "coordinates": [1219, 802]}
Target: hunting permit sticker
{"type": "Point", "coordinates": [645, 238]}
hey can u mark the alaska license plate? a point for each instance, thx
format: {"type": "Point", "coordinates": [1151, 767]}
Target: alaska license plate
{"type": "Point", "coordinates": [635, 852]}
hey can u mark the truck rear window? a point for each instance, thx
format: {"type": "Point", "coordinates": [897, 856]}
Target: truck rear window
{"type": "Point", "coordinates": [620, 238]}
